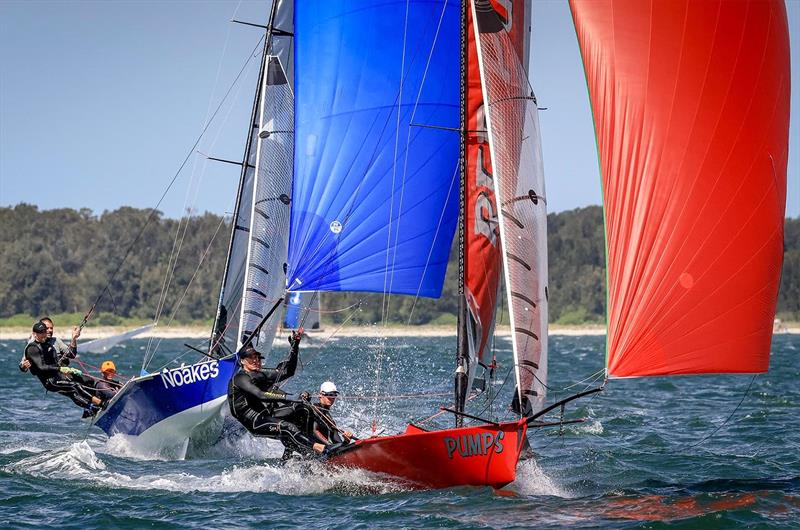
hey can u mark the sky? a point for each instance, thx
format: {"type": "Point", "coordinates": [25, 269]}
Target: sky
{"type": "Point", "coordinates": [101, 103]}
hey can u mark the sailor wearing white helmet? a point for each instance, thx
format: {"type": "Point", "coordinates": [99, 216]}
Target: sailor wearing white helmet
{"type": "Point", "coordinates": [324, 428]}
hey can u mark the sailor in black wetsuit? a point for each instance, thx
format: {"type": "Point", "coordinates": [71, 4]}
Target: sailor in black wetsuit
{"type": "Point", "coordinates": [324, 427]}
{"type": "Point", "coordinates": [43, 359]}
{"type": "Point", "coordinates": [64, 352]}
{"type": "Point", "coordinates": [263, 408]}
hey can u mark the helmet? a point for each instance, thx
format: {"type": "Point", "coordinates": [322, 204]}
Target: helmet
{"type": "Point", "coordinates": [108, 365]}
{"type": "Point", "coordinates": [328, 389]}
{"type": "Point", "coordinates": [249, 352]}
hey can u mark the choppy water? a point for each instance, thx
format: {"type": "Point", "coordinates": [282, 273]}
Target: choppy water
{"type": "Point", "coordinates": [641, 460]}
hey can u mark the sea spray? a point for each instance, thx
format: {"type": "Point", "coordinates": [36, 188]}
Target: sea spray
{"type": "Point", "coordinates": [532, 480]}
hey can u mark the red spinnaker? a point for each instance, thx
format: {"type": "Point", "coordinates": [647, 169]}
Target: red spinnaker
{"type": "Point", "coordinates": [691, 110]}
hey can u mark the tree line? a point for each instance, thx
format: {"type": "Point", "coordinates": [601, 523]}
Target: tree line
{"type": "Point", "coordinates": [61, 260]}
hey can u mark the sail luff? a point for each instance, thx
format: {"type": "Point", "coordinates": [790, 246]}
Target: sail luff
{"type": "Point", "coordinates": [265, 277]}
{"type": "Point", "coordinates": [483, 248]}
{"type": "Point", "coordinates": [248, 256]}
{"type": "Point", "coordinates": [504, 256]}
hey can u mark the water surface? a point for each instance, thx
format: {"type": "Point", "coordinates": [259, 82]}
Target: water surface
{"type": "Point", "coordinates": [685, 452]}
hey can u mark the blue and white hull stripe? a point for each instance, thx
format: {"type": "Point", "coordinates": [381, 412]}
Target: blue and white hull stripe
{"type": "Point", "coordinates": [199, 390]}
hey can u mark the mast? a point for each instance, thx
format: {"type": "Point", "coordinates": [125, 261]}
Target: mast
{"type": "Point", "coordinates": [461, 381]}
{"type": "Point", "coordinates": [222, 317]}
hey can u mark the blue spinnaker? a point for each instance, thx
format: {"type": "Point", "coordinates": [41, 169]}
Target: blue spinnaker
{"type": "Point", "coordinates": [375, 194]}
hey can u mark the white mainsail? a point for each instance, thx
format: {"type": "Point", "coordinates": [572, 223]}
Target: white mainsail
{"type": "Point", "coordinates": [269, 227]}
{"type": "Point", "coordinates": [515, 146]}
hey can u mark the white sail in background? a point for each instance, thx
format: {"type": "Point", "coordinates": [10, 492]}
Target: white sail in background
{"type": "Point", "coordinates": [515, 146]}
{"type": "Point", "coordinates": [105, 344]}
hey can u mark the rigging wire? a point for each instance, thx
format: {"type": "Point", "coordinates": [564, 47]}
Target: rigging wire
{"type": "Point", "coordinates": [746, 392]}
{"type": "Point", "coordinates": [672, 452]}
{"type": "Point", "coordinates": [154, 210]}
{"type": "Point", "coordinates": [314, 355]}
{"type": "Point", "coordinates": [387, 277]}
{"type": "Point", "coordinates": [188, 285]}
{"type": "Point", "coordinates": [389, 274]}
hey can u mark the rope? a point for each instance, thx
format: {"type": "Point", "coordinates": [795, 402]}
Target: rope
{"type": "Point", "coordinates": [96, 368]}
{"type": "Point", "coordinates": [170, 274]}
{"type": "Point", "coordinates": [188, 285]}
{"type": "Point", "coordinates": [437, 414]}
{"type": "Point", "coordinates": [672, 452]}
{"type": "Point", "coordinates": [314, 355]}
{"type": "Point", "coordinates": [398, 396]}
{"type": "Point", "coordinates": [746, 392]}
{"type": "Point", "coordinates": [592, 378]}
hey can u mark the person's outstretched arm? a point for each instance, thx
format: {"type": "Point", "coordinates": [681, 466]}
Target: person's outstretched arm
{"type": "Point", "coordinates": [287, 368]}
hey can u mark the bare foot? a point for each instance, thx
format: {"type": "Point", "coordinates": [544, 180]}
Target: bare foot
{"type": "Point", "coordinates": [318, 448]}
{"type": "Point", "coordinates": [96, 400]}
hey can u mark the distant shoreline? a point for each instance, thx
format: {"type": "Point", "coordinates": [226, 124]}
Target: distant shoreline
{"type": "Point", "coordinates": [201, 332]}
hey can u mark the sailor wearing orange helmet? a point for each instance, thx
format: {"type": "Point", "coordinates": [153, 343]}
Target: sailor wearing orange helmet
{"type": "Point", "coordinates": [107, 387]}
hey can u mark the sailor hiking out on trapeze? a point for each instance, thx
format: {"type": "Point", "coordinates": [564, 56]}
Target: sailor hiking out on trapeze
{"type": "Point", "coordinates": [266, 410]}
{"type": "Point", "coordinates": [42, 359]}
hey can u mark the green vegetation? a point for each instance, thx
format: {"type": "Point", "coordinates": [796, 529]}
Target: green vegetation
{"type": "Point", "coordinates": [57, 262]}
{"type": "Point", "coordinates": [789, 297]}
{"type": "Point", "coordinates": [67, 320]}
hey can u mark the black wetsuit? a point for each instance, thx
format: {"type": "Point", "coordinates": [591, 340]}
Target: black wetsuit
{"type": "Point", "coordinates": [324, 427]}
{"type": "Point", "coordinates": [265, 410]}
{"type": "Point", "coordinates": [44, 365]}
{"type": "Point", "coordinates": [63, 352]}
{"type": "Point", "coordinates": [107, 389]}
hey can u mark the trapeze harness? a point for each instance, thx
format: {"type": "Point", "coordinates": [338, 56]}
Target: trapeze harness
{"type": "Point", "coordinates": [264, 409]}
{"type": "Point", "coordinates": [45, 365]}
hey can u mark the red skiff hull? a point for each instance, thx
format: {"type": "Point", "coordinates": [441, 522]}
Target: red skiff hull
{"type": "Point", "coordinates": [485, 455]}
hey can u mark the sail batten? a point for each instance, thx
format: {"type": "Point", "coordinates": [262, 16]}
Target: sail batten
{"type": "Point", "coordinates": [514, 143]}
{"type": "Point", "coordinates": [690, 102]}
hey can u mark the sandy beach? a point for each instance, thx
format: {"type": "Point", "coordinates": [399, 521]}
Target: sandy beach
{"type": "Point", "coordinates": [195, 332]}
{"type": "Point", "coordinates": [198, 332]}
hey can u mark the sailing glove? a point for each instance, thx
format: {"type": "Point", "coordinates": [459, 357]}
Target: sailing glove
{"type": "Point", "coordinates": [295, 337]}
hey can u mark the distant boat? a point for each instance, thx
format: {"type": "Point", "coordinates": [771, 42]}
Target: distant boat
{"type": "Point", "coordinates": [105, 344]}
{"type": "Point", "coordinates": [302, 310]}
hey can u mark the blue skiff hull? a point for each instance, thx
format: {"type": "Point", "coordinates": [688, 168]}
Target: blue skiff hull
{"type": "Point", "coordinates": [167, 408]}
